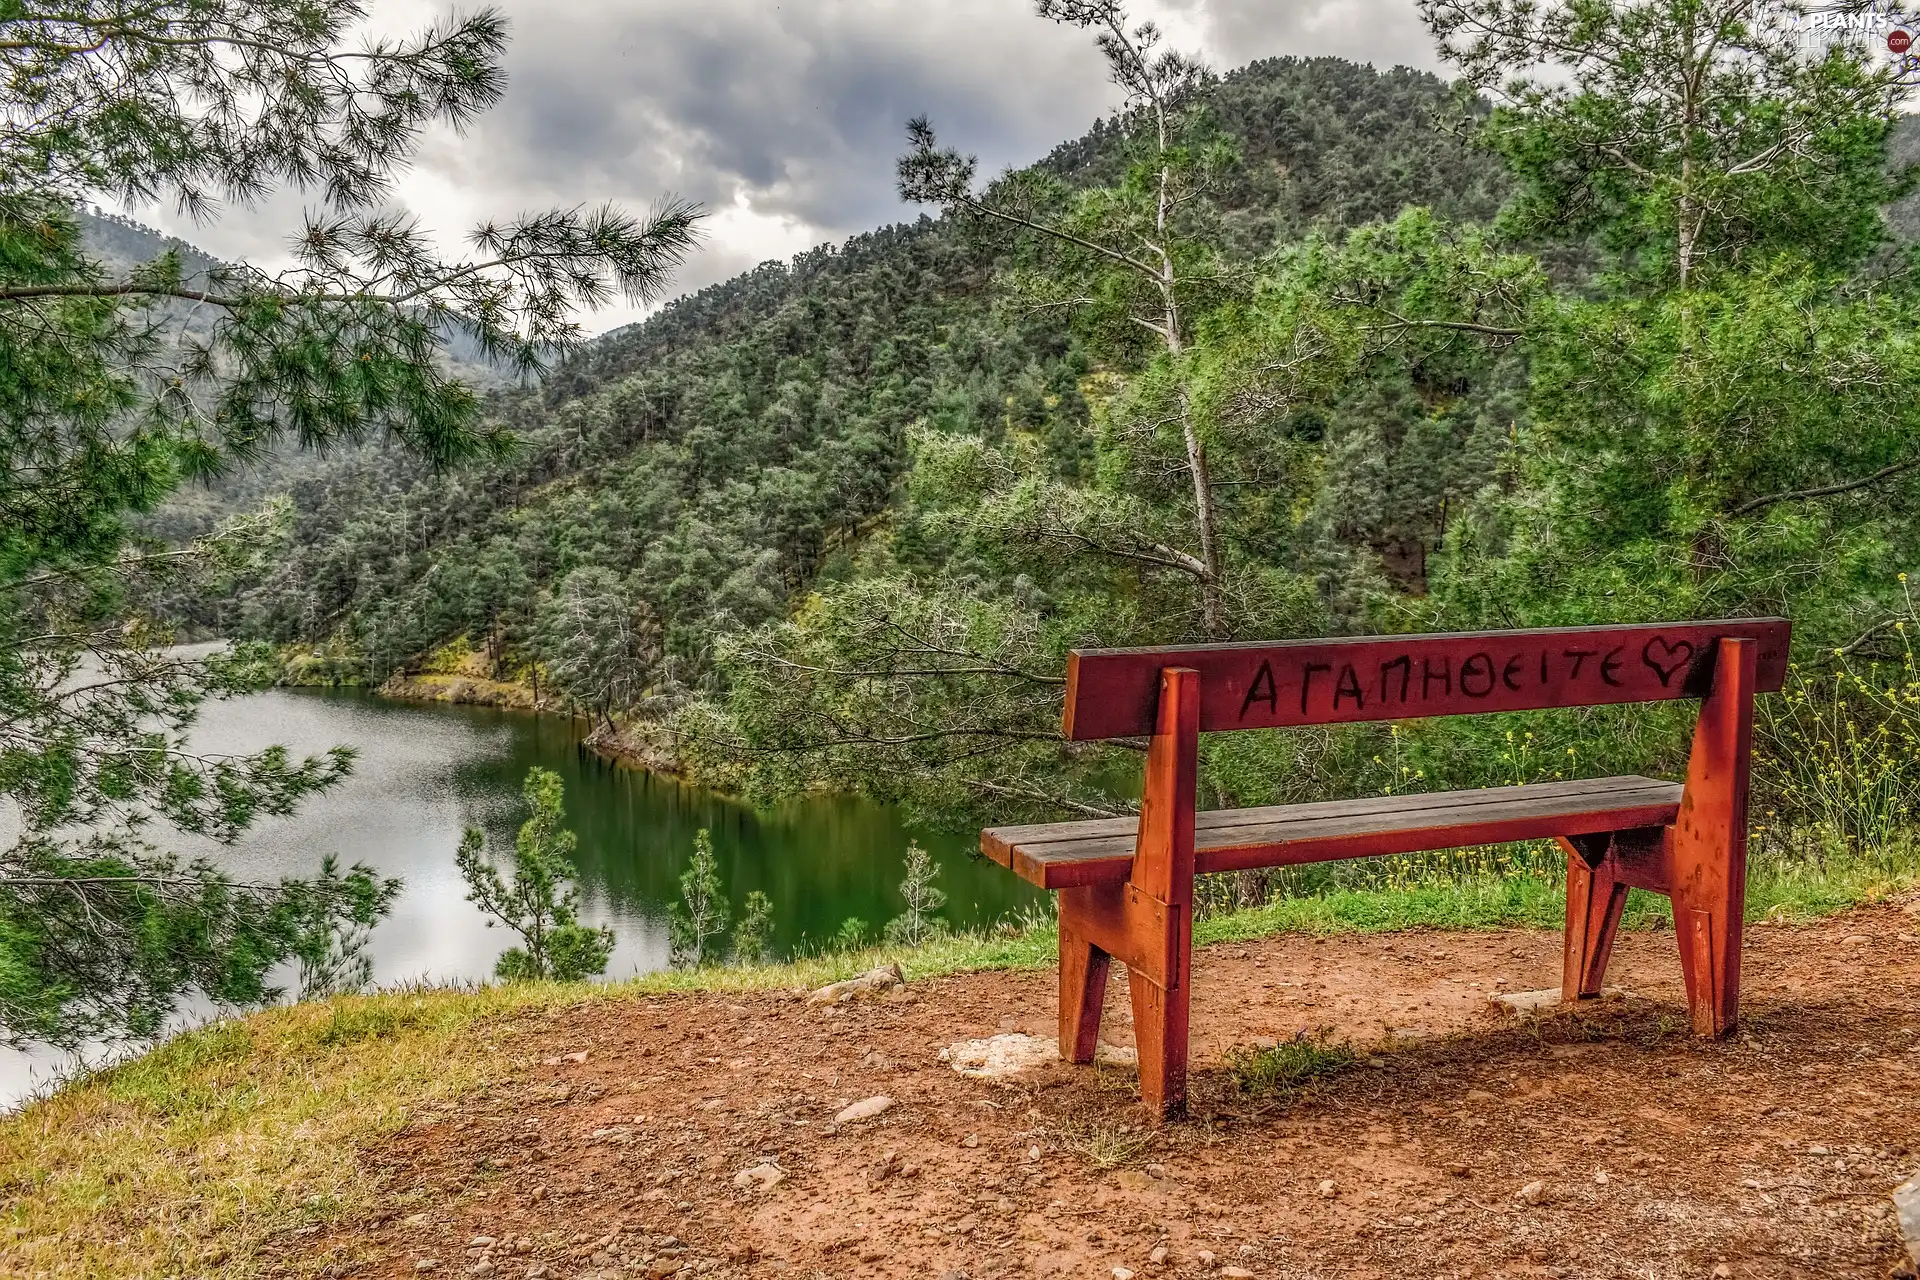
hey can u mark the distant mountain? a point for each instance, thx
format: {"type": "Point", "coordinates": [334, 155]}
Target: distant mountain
{"type": "Point", "coordinates": [730, 451]}
{"type": "Point", "coordinates": [122, 243]}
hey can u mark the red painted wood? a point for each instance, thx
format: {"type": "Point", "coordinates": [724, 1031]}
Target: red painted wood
{"type": "Point", "coordinates": [1113, 693]}
{"type": "Point", "coordinates": [1128, 924]}
{"type": "Point", "coordinates": [1595, 900]}
{"type": "Point", "coordinates": [1642, 859]}
{"type": "Point", "coordinates": [1083, 989]}
{"type": "Point", "coordinates": [1708, 858]}
{"type": "Point", "coordinates": [1160, 1038]}
{"type": "Point", "coordinates": [1127, 888]}
{"type": "Point", "coordinates": [995, 841]}
{"type": "Point", "coordinates": [1163, 853]}
{"type": "Point", "coordinates": [1158, 901]}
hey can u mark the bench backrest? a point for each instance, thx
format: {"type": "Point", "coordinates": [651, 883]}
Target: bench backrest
{"type": "Point", "coordinates": [1113, 693]}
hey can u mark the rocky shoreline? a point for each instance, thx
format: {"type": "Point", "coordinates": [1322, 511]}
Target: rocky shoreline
{"type": "Point", "coordinates": [459, 678]}
{"type": "Point", "coordinates": [629, 746]}
{"type": "Point", "coordinates": [468, 690]}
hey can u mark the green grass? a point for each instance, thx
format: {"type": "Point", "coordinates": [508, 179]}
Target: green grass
{"type": "Point", "coordinates": [1282, 1069]}
{"type": "Point", "coordinates": [185, 1160]}
{"type": "Point", "coordinates": [1775, 891]}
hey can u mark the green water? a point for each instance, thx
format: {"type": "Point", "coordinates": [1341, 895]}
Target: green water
{"type": "Point", "coordinates": [425, 772]}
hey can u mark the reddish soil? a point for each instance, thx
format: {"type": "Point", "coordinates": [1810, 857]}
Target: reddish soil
{"type": "Point", "coordinates": [1767, 1155]}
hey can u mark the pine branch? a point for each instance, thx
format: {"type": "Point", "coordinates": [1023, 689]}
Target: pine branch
{"type": "Point", "coordinates": [1825, 491]}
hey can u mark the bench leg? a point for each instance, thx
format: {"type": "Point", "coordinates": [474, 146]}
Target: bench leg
{"type": "Point", "coordinates": [1708, 868]}
{"type": "Point", "coordinates": [1160, 1037]}
{"type": "Point", "coordinates": [1083, 990]}
{"type": "Point", "coordinates": [1595, 899]}
{"type": "Point", "coordinates": [1710, 959]}
{"type": "Point", "coordinates": [1160, 895]}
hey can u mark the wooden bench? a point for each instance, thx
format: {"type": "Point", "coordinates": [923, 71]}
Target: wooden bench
{"type": "Point", "coordinates": [1126, 885]}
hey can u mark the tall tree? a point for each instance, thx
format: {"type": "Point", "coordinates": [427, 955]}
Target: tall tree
{"type": "Point", "coordinates": [105, 409]}
{"type": "Point", "coordinates": [1134, 259]}
{"type": "Point", "coordinates": [697, 923]}
{"type": "Point", "coordinates": [1732, 394]}
{"type": "Point", "coordinates": [1684, 134]}
{"type": "Point", "coordinates": [599, 645]}
{"type": "Point", "coordinates": [1155, 503]}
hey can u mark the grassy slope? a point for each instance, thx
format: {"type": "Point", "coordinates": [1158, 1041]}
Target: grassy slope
{"type": "Point", "coordinates": [183, 1161]}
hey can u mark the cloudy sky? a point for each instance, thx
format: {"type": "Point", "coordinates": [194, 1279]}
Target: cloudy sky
{"type": "Point", "coordinates": [783, 117]}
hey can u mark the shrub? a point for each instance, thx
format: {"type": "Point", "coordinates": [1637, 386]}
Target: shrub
{"type": "Point", "coordinates": [1838, 760]}
{"type": "Point", "coordinates": [753, 936]}
{"type": "Point", "coordinates": [851, 936]}
{"type": "Point", "coordinates": [541, 904]}
{"type": "Point", "coordinates": [698, 921]}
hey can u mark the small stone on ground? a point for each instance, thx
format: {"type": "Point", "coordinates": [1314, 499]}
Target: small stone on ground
{"type": "Point", "coordinates": [873, 982]}
{"type": "Point", "coordinates": [763, 1176]}
{"type": "Point", "coordinates": [865, 1109]}
{"type": "Point", "coordinates": [1011, 1053]}
{"type": "Point", "coordinates": [1906, 1204]}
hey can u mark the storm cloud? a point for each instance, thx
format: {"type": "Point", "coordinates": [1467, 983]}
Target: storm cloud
{"type": "Point", "coordinates": [784, 118]}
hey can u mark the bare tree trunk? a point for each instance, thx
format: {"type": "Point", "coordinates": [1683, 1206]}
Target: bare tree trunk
{"type": "Point", "coordinates": [1687, 220]}
{"type": "Point", "coordinates": [1211, 613]}
{"type": "Point", "coordinates": [1687, 216]}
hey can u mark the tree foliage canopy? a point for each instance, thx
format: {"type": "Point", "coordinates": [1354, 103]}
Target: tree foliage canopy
{"type": "Point", "coordinates": [119, 385]}
{"type": "Point", "coordinates": [1611, 329]}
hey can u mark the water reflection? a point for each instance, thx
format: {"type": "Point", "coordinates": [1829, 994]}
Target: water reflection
{"type": "Point", "coordinates": [427, 772]}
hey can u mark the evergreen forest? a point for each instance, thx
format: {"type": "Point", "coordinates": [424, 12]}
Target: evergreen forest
{"type": "Point", "coordinates": [836, 522]}
{"type": "Point", "coordinates": [1613, 325]}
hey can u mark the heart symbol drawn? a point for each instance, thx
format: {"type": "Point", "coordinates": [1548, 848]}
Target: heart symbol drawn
{"type": "Point", "coordinates": [1665, 658]}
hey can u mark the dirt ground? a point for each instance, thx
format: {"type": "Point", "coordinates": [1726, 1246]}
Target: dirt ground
{"type": "Point", "coordinates": [1767, 1155]}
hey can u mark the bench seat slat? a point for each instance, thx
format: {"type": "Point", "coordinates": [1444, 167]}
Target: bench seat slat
{"type": "Point", "coordinates": [1067, 854]}
{"type": "Point", "coordinates": [1047, 832]}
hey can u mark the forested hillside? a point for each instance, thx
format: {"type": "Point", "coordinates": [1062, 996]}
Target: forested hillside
{"type": "Point", "coordinates": [121, 244]}
{"type": "Point", "coordinates": [693, 475]}
{"type": "Point", "coordinates": [1619, 327]}
{"type": "Point", "coordinates": [1305, 349]}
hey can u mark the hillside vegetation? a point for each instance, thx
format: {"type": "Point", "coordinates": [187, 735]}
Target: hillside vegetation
{"type": "Point", "coordinates": [1415, 362]}
{"type": "Point", "coordinates": [698, 473]}
{"type": "Point", "coordinates": [836, 521]}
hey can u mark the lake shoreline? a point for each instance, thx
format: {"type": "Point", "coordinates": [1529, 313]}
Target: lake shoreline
{"type": "Point", "coordinates": [461, 680]}
{"type": "Point", "coordinates": [822, 859]}
{"type": "Point", "coordinates": [628, 746]}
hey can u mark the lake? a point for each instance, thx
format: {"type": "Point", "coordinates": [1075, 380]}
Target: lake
{"type": "Point", "coordinates": [428, 771]}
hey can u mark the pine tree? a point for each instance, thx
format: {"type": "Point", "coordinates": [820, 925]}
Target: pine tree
{"type": "Point", "coordinates": [108, 403]}
{"type": "Point", "coordinates": [850, 936]}
{"type": "Point", "coordinates": [597, 645]}
{"type": "Point", "coordinates": [541, 903]}
{"type": "Point", "coordinates": [1127, 261]}
{"type": "Point", "coordinates": [1727, 400]}
{"type": "Point", "coordinates": [697, 922]}
{"type": "Point", "coordinates": [920, 922]}
{"type": "Point", "coordinates": [753, 936]}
